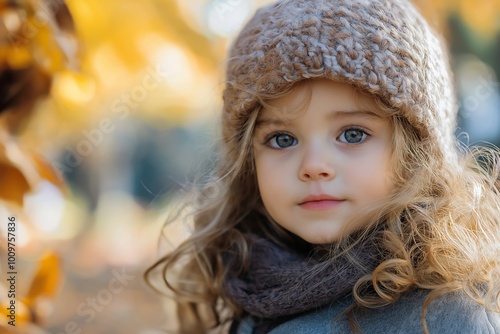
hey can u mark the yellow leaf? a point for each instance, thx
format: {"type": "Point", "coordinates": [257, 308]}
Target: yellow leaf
{"type": "Point", "coordinates": [46, 280]}
{"type": "Point", "coordinates": [19, 57]}
{"type": "Point", "coordinates": [22, 313]}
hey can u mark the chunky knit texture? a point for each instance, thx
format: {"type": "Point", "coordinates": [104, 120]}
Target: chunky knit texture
{"type": "Point", "coordinates": [279, 283]}
{"type": "Point", "coordinates": [383, 47]}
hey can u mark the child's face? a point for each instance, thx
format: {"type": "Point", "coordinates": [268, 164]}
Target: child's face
{"type": "Point", "coordinates": [320, 164]}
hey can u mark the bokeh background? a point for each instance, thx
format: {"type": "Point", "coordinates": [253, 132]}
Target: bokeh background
{"type": "Point", "coordinates": [108, 110]}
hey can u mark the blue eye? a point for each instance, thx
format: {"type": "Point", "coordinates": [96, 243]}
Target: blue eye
{"type": "Point", "coordinates": [353, 136]}
{"type": "Point", "coordinates": [282, 140]}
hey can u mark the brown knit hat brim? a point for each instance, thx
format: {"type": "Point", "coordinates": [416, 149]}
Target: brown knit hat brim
{"type": "Point", "coordinates": [383, 47]}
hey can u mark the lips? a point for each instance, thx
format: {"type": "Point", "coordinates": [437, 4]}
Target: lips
{"type": "Point", "coordinates": [318, 198]}
{"type": "Point", "coordinates": [320, 202]}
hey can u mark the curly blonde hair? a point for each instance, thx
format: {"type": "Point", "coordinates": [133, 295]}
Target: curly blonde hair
{"type": "Point", "coordinates": [440, 230]}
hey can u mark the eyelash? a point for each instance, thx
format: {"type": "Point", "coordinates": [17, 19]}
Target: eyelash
{"type": "Point", "coordinates": [273, 135]}
{"type": "Point", "coordinates": [358, 128]}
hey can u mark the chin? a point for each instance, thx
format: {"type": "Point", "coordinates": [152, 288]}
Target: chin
{"type": "Point", "coordinates": [321, 239]}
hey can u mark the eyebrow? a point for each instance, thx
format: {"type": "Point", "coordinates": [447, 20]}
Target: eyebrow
{"type": "Point", "coordinates": [332, 116]}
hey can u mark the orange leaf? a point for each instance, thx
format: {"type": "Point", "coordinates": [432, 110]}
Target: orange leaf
{"type": "Point", "coordinates": [14, 184]}
{"type": "Point", "coordinates": [21, 170]}
{"type": "Point", "coordinates": [22, 313]}
{"type": "Point", "coordinates": [46, 280]}
{"type": "Point", "coordinates": [17, 174]}
{"type": "Point", "coordinates": [47, 172]}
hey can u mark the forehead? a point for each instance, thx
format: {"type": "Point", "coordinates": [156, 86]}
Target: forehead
{"type": "Point", "coordinates": [339, 99]}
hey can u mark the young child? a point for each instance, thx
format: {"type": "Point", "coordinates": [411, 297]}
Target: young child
{"type": "Point", "coordinates": [341, 201]}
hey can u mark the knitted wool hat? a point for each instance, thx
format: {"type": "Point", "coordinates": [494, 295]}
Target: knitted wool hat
{"type": "Point", "coordinates": [383, 47]}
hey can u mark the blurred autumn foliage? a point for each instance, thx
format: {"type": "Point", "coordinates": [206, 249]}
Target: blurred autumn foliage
{"type": "Point", "coordinates": [105, 109]}
{"type": "Point", "coordinates": [29, 56]}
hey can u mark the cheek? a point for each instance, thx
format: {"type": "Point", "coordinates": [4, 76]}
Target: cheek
{"type": "Point", "coordinates": [262, 176]}
{"type": "Point", "coordinates": [373, 176]}
{"type": "Point", "coordinates": [267, 176]}
{"type": "Point", "coordinates": [273, 179]}
{"type": "Point", "coordinates": [384, 185]}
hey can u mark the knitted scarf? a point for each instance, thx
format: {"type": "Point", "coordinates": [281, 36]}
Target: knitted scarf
{"type": "Point", "coordinates": [279, 283]}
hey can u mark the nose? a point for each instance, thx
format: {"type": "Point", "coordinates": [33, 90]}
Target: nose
{"type": "Point", "coordinates": [316, 165]}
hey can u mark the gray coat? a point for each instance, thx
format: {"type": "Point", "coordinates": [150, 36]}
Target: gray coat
{"type": "Point", "coordinates": [452, 313]}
